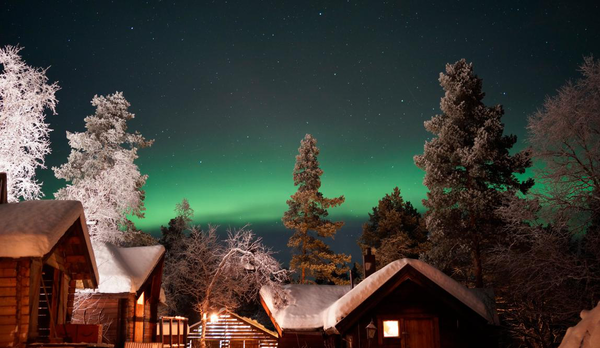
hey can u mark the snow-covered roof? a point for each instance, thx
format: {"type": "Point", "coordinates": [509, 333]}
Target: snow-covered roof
{"type": "Point", "coordinates": [324, 306]}
{"type": "Point", "coordinates": [586, 334]}
{"type": "Point", "coordinates": [124, 270]}
{"type": "Point", "coordinates": [305, 304]}
{"type": "Point", "coordinates": [32, 228]}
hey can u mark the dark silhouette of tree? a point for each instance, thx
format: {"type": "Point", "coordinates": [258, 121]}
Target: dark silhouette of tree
{"type": "Point", "coordinates": [395, 230]}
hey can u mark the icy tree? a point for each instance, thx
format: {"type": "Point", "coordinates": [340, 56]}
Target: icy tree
{"type": "Point", "coordinates": [548, 265]}
{"type": "Point", "coordinates": [24, 136]}
{"type": "Point", "coordinates": [101, 169]}
{"type": "Point", "coordinates": [541, 276]}
{"type": "Point", "coordinates": [468, 167]}
{"type": "Point", "coordinates": [308, 212]}
{"type": "Point", "coordinates": [395, 230]}
{"type": "Point", "coordinates": [565, 135]}
{"type": "Point", "coordinates": [225, 274]}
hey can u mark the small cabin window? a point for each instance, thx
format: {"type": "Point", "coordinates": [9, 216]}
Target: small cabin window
{"type": "Point", "coordinates": [391, 328]}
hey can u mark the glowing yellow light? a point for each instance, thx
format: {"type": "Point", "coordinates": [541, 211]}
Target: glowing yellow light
{"type": "Point", "coordinates": [214, 318]}
{"type": "Point", "coordinates": [390, 328]}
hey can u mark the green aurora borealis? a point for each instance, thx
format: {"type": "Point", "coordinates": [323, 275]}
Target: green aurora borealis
{"type": "Point", "coordinates": [228, 90]}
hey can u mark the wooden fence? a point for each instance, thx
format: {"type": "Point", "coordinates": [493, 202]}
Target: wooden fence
{"type": "Point", "coordinates": [172, 332]}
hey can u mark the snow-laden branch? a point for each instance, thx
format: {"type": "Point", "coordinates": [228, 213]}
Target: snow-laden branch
{"type": "Point", "coordinates": [24, 135]}
{"type": "Point", "coordinates": [215, 274]}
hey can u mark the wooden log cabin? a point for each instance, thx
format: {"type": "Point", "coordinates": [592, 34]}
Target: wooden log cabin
{"type": "Point", "coordinates": [229, 330]}
{"type": "Point", "coordinates": [126, 301]}
{"type": "Point", "coordinates": [45, 253]}
{"type": "Point", "coordinates": [407, 304]}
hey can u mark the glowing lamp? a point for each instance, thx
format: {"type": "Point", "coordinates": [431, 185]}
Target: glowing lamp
{"type": "Point", "coordinates": [371, 328]}
{"type": "Point", "coordinates": [214, 318]}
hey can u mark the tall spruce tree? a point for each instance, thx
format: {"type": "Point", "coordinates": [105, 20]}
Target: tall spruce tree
{"type": "Point", "coordinates": [307, 216]}
{"type": "Point", "coordinates": [395, 230]}
{"type": "Point", "coordinates": [468, 168]}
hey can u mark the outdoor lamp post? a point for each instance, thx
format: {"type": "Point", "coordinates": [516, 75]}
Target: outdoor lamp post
{"type": "Point", "coordinates": [371, 328]}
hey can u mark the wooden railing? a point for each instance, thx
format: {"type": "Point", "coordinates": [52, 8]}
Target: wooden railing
{"type": "Point", "coordinates": [172, 332]}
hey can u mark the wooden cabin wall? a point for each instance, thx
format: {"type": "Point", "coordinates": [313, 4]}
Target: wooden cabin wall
{"type": "Point", "coordinates": [311, 339]}
{"type": "Point", "coordinates": [409, 300]}
{"type": "Point", "coordinates": [14, 301]}
{"type": "Point", "coordinates": [232, 332]}
{"type": "Point", "coordinates": [110, 310]}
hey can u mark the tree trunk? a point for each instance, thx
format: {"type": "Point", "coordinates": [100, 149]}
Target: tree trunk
{"type": "Point", "coordinates": [204, 316]}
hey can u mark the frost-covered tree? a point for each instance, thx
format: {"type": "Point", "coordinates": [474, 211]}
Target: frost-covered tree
{"type": "Point", "coordinates": [547, 267]}
{"type": "Point", "coordinates": [395, 230]}
{"type": "Point", "coordinates": [101, 169]}
{"type": "Point", "coordinates": [565, 136]}
{"type": "Point", "coordinates": [24, 135]}
{"type": "Point", "coordinates": [468, 169]}
{"type": "Point", "coordinates": [215, 274]}
{"type": "Point", "coordinates": [541, 275]}
{"type": "Point", "coordinates": [307, 216]}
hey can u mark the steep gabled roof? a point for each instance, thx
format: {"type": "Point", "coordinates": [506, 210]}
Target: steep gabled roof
{"type": "Point", "coordinates": [305, 304]}
{"type": "Point", "coordinates": [324, 307]}
{"type": "Point", "coordinates": [33, 229]}
{"type": "Point", "coordinates": [125, 270]}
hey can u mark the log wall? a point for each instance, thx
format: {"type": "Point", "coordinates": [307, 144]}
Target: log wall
{"type": "Point", "coordinates": [14, 301]}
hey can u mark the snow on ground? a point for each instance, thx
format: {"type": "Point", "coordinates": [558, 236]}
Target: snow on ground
{"type": "Point", "coordinates": [586, 334]}
{"type": "Point", "coordinates": [323, 306]}
{"type": "Point", "coordinates": [32, 228]}
{"type": "Point", "coordinates": [124, 270]}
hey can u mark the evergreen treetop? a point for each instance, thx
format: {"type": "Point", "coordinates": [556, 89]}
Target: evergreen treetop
{"type": "Point", "coordinates": [468, 166]}
{"type": "Point", "coordinates": [308, 212]}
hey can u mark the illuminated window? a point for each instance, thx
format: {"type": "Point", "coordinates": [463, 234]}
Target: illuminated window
{"type": "Point", "coordinates": [390, 328]}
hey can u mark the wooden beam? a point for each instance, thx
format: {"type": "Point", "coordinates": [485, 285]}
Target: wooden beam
{"type": "Point", "coordinates": [71, 259]}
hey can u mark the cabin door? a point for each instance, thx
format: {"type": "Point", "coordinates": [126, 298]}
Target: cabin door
{"type": "Point", "coordinates": [419, 333]}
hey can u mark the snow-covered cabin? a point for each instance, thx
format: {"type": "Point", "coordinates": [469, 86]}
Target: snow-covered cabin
{"type": "Point", "coordinates": [408, 303]}
{"type": "Point", "coordinates": [45, 253]}
{"type": "Point", "coordinates": [229, 330]}
{"type": "Point", "coordinates": [586, 334]}
{"type": "Point", "coordinates": [128, 294]}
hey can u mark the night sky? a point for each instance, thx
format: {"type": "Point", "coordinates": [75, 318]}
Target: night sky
{"type": "Point", "coordinates": [229, 88]}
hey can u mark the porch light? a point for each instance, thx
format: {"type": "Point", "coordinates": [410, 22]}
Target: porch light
{"type": "Point", "coordinates": [371, 328]}
{"type": "Point", "coordinates": [214, 318]}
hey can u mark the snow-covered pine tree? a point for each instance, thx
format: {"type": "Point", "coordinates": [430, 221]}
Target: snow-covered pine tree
{"type": "Point", "coordinates": [24, 135]}
{"type": "Point", "coordinates": [307, 216]}
{"type": "Point", "coordinates": [468, 168]}
{"type": "Point", "coordinates": [395, 230]}
{"type": "Point", "coordinates": [101, 169]}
